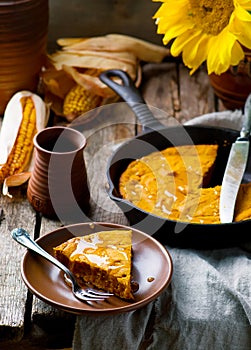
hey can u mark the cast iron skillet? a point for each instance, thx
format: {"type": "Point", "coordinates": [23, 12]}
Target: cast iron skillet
{"type": "Point", "coordinates": [157, 137]}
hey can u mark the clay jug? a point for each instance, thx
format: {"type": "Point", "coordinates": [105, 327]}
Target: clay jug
{"type": "Point", "coordinates": [23, 43]}
{"type": "Point", "coordinates": [58, 186]}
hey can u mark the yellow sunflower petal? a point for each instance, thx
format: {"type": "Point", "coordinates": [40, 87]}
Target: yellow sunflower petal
{"type": "Point", "coordinates": [180, 42]}
{"type": "Point", "coordinates": [242, 14]}
{"type": "Point", "coordinates": [230, 52]}
{"type": "Point", "coordinates": [237, 54]}
{"type": "Point", "coordinates": [172, 21]}
{"type": "Point", "coordinates": [161, 12]}
{"type": "Point", "coordinates": [195, 53]}
{"type": "Point", "coordinates": [214, 63]}
{"type": "Point", "coordinates": [225, 40]}
{"type": "Point", "coordinates": [246, 4]}
{"type": "Point", "coordinates": [166, 10]}
{"type": "Point", "coordinates": [177, 30]}
{"type": "Point", "coordinates": [241, 28]}
{"type": "Point", "coordinates": [194, 47]}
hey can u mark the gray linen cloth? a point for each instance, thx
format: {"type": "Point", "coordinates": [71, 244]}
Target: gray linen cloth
{"type": "Point", "coordinates": [207, 305]}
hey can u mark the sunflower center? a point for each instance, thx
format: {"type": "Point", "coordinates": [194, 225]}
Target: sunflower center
{"type": "Point", "coordinates": [212, 16]}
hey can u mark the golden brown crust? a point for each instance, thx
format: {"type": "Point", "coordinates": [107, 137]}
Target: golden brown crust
{"type": "Point", "coordinates": [172, 184]}
{"type": "Point", "coordinates": [103, 259]}
{"type": "Point", "coordinates": [161, 181]}
{"type": "Point", "coordinates": [243, 203]}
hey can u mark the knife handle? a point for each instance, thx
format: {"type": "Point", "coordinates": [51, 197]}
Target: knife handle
{"type": "Point", "coordinates": [245, 131]}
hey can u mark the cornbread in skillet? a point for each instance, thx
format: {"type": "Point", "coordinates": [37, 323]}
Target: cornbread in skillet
{"type": "Point", "coordinates": [243, 203]}
{"type": "Point", "coordinates": [169, 183]}
{"type": "Point", "coordinates": [206, 207]}
{"type": "Point", "coordinates": [172, 184]}
{"type": "Point", "coordinates": [201, 207]}
{"type": "Point", "coordinates": [102, 259]}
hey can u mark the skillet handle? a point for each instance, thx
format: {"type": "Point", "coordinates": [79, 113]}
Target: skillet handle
{"type": "Point", "coordinates": [131, 95]}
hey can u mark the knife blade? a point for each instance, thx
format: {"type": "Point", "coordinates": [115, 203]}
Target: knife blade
{"type": "Point", "coordinates": [235, 168]}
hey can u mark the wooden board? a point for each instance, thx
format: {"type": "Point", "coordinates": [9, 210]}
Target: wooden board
{"type": "Point", "coordinates": [16, 213]}
{"type": "Point", "coordinates": [27, 321]}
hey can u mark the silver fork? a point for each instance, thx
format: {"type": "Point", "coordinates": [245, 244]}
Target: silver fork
{"type": "Point", "coordinates": [89, 294]}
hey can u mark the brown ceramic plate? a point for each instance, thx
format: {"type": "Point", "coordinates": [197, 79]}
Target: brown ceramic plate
{"type": "Point", "coordinates": [152, 270]}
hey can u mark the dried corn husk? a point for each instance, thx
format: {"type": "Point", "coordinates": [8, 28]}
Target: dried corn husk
{"type": "Point", "coordinates": [12, 128]}
{"type": "Point", "coordinates": [144, 50]}
{"type": "Point", "coordinates": [81, 60]}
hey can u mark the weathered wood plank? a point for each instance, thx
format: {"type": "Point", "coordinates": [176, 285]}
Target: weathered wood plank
{"type": "Point", "coordinates": [16, 213]}
{"type": "Point", "coordinates": [51, 327]}
{"type": "Point", "coordinates": [196, 95]}
{"type": "Point", "coordinates": [101, 143]}
{"type": "Point", "coordinates": [160, 90]}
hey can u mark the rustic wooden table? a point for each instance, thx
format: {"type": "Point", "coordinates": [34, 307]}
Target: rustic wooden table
{"type": "Point", "coordinates": [25, 321]}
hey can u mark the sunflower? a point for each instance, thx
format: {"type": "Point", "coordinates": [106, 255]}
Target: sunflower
{"type": "Point", "coordinates": [215, 31]}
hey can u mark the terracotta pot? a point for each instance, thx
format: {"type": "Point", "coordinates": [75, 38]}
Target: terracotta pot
{"type": "Point", "coordinates": [58, 185]}
{"type": "Point", "coordinates": [23, 43]}
{"type": "Point", "coordinates": [233, 86]}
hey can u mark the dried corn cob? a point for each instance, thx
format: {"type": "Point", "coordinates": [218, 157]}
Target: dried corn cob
{"type": "Point", "coordinates": [78, 101]}
{"type": "Point", "coordinates": [20, 154]}
{"type": "Point", "coordinates": [25, 114]}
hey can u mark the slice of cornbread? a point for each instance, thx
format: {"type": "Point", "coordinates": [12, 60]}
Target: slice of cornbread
{"type": "Point", "coordinates": [102, 259]}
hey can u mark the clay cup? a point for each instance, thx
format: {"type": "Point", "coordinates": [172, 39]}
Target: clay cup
{"type": "Point", "coordinates": [58, 187]}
